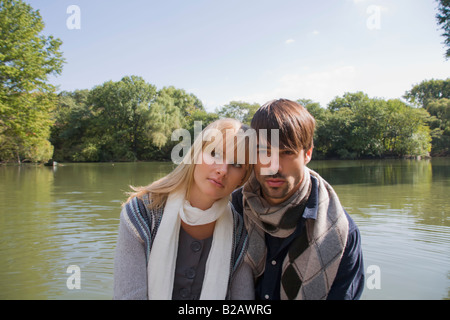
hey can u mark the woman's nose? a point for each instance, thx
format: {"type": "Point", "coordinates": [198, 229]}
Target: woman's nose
{"type": "Point", "coordinates": [222, 168]}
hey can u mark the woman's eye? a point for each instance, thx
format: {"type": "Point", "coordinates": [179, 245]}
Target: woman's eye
{"type": "Point", "coordinates": [237, 165]}
{"type": "Point", "coordinates": [216, 155]}
{"type": "Point", "coordinates": [266, 152]}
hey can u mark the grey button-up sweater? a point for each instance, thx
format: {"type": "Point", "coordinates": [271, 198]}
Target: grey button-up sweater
{"type": "Point", "coordinates": [190, 267]}
{"type": "Point", "coordinates": [133, 247]}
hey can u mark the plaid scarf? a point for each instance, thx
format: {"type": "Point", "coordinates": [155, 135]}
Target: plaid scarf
{"type": "Point", "coordinates": [313, 258]}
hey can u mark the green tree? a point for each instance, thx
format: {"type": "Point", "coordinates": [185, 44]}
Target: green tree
{"type": "Point", "coordinates": [357, 118]}
{"type": "Point", "coordinates": [348, 100]}
{"type": "Point", "coordinates": [439, 110]}
{"type": "Point", "coordinates": [406, 131]}
{"type": "Point", "coordinates": [321, 116]}
{"type": "Point", "coordinates": [358, 127]}
{"type": "Point", "coordinates": [185, 102]}
{"type": "Point", "coordinates": [242, 111]}
{"type": "Point", "coordinates": [27, 58]}
{"type": "Point", "coordinates": [166, 117]}
{"type": "Point", "coordinates": [434, 96]}
{"type": "Point", "coordinates": [443, 19]}
{"type": "Point", "coordinates": [72, 122]}
{"type": "Point", "coordinates": [172, 109]}
{"type": "Point", "coordinates": [125, 120]}
{"type": "Point", "coordinates": [313, 108]}
{"type": "Point", "coordinates": [120, 112]}
{"type": "Point", "coordinates": [428, 90]}
{"type": "Point", "coordinates": [202, 116]}
{"type": "Point", "coordinates": [335, 135]}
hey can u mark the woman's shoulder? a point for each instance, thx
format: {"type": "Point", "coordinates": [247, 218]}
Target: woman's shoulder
{"type": "Point", "coordinates": [236, 200]}
{"type": "Point", "coordinates": [238, 221]}
{"type": "Point", "coordinates": [138, 215]}
{"type": "Point", "coordinates": [141, 205]}
{"type": "Point", "coordinates": [140, 220]}
{"type": "Point", "coordinates": [237, 216]}
{"type": "Point", "coordinates": [135, 206]}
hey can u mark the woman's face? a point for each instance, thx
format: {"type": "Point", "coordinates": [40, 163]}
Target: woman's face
{"type": "Point", "coordinates": [214, 179]}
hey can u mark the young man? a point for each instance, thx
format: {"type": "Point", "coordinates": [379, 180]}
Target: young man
{"type": "Point", "coordinates": [302, 243]}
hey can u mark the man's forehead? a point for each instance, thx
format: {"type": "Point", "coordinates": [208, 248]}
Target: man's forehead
{"type": "Point", "coordinates": [273, 148]}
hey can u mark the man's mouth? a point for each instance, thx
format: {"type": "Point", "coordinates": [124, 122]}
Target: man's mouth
{"type": "Point", "coordinates": [275, 182]}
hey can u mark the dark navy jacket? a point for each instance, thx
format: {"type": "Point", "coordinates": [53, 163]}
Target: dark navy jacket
{"type": "Point", "coordinates": [349, 281]}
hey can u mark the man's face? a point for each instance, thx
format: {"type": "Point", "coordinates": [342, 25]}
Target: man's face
{"type": "Point", "coordinates": [286, 174]}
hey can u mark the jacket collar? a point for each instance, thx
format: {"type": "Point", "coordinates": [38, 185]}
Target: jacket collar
{"type": "Point", "coordinates": [312, 204]}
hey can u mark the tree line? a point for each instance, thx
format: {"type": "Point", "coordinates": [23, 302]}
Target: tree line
{"type": "Point", "coordinates": [131, 119]}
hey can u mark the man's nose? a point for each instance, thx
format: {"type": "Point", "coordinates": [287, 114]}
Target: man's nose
{"type": "Point", "coordinates": [273, 167]}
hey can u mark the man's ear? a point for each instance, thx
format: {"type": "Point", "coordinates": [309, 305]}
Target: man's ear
{"type": "Point", "coordinates": [308, 155]}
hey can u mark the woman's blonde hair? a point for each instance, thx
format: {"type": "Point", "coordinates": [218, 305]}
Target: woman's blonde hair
{"type": "Point", "coordinates": [182, 176]}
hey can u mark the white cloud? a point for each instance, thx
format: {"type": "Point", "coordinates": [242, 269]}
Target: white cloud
{"type": "Point", "coordinates": [289, 41]}
{"type": "Point", "coordinates": [321, 86]}
{"type": "Point", "coordinates": [376, 80]}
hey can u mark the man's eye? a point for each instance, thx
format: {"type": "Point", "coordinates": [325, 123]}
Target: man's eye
{"type": "Point", "coordinates": [288, 152]}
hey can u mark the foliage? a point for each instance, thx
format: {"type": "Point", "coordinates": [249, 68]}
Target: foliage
{"type": "Point", "coordinates": [130, 119]}
{"type": "Point", "coordinates": [27, 58]}
{"type": "Point", "coordinates": [428, 90]}
{"type": "Point", "coordinates": [434, 97]}
{"type": "Point", "coordinates": [120, 113]}
{"type": "Point", "coordinates": [239, 110]}
{"type": "Point", "coordinates": [127, 120]}
{"type": "Point", "coordinates": [443, 19]}
{"type": "Point", "coordinates": [356, 126]}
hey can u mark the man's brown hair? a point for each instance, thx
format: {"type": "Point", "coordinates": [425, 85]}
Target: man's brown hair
{"type": "Point", "coordinates": [295, 124]}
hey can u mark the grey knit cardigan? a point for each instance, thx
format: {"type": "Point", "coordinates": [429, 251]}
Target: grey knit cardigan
{"type": "Point", "coordinates": [137, 231]}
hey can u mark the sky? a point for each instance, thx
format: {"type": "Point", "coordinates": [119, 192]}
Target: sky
{"type": "Point", "coordinates": [250, 50]}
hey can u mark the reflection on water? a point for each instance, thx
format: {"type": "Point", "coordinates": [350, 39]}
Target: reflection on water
{"type": "Point", "coordinates": [55, 217]}
{"type": "Point", "coordinates": [401, 208]}
{"type": "Point", "coordinates": [51, 218]}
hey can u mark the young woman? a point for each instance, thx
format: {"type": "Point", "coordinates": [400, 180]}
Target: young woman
{"type": "Point", "coordinates": [179, 237]}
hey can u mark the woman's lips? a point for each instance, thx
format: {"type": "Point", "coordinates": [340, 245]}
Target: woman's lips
{"type": "Point", "coordinates": [216, 182]}
{"type": "Point", "coordinates": [275, 182]}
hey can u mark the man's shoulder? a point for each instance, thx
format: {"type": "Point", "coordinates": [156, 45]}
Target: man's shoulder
{"type": "Point", "coordinates": [352, 226]}
{"type": "Point", "coordinates": [314, 201]}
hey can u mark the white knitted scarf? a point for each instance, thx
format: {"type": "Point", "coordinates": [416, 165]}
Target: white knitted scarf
{"type": "Point", "coordinates": [163, 256]}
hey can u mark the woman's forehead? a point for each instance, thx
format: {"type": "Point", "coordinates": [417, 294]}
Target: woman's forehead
{"type": "Point", "coordinates": [229, 147]}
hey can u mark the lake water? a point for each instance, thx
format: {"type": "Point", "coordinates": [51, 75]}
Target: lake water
{"type": "Point", "coordinates": [54, 218]}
